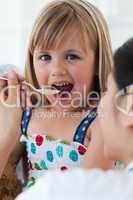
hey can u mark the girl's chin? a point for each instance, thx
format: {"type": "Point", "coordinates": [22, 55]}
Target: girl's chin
{"type": "Point", "coordinates": [68, 102]}
{"type": "Point", "coordinates": [66, 105]}
{"type": "Point", "coordinates": [64, 102]}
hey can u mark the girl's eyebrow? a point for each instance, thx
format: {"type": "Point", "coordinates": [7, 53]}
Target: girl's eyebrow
{"type": "Point", "coordinates": [73, 51]}
{"type": "Point", "coordinates": [40, 50]}
{"type": "Point", "coordinates": [66, 51]}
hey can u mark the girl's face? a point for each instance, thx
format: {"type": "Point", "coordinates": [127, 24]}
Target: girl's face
{"type": "Point", "coordinates": [69, 68]}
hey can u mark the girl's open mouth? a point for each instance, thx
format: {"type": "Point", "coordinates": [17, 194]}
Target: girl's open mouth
{"type": "Point", "coordinates": [65, 89]}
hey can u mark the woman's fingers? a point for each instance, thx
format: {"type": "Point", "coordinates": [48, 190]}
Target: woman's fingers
{"type": "Point", "coordinates": [26, 94]}
{"type": "Point", "coordinates": [25, 101]}
{"type": "Point", "coordinates": [30, 97]}
{"type": "Point", "coordinates": [15, 92]}
{"type": "Point", "coordinates": [3, 88]}
{"type": "Point", "coordinates": [20, 78]}
{"type": "Point", "coordinates": [3, 83]}
{"type": "Point", "coordinates": [13, 86]}
{"type": "Point", "coordinates": [10, 88]}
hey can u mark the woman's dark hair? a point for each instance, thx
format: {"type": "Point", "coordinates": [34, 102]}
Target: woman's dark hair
{"type": "Point", "coordinates": [123, 65]}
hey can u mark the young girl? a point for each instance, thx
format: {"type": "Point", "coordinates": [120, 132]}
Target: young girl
{"type": "Point", "coordinates": [69, 49]}
{"type": "Point", "coordinates": [116, 123]}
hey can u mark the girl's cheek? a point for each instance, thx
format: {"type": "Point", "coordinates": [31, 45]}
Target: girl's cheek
{"type": "Point", "coordinates": [80, 75]}
{"type": "Point", "coordinates": [42, 76]}
{"type": "Point", "coordinates": [43, 79]}
{"type": "Point", "coordinates": [77, 73]}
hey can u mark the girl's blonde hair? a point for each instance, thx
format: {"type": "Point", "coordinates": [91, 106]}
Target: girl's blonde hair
{"type": "Point", "coordinates": [60, 16]}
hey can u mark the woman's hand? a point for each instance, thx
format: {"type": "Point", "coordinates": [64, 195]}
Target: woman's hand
{"type": "Point", "coordinates": [10, 115]}
{"type": "Point", "coordinates": [10, 106]}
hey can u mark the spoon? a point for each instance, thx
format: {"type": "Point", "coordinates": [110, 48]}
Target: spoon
{"type": "Point", "coordinates": [45, 90]}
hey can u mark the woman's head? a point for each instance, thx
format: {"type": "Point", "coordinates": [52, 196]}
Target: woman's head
{"type": "Point", "coordinates": [57, 20]}
{"type": "Point", "coordinates": [116, 113]}
{"type": "Point", "coordinates": [123, 70]}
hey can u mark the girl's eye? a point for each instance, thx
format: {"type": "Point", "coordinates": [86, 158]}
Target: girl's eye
{"type": "Point", "coordinates": [45, 57]}
{"type": "Point", "coordinates": [72, 57]}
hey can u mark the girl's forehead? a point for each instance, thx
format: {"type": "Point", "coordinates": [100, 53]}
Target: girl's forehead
{"type": "Point", "coordinates": [59, 32]}
{"type": "Point", "coordinates": [73, 40]}
{"type": "Point", "coordinates": [70, 40]}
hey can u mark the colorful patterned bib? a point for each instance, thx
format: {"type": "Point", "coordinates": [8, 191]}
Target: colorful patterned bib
{"type": "Point", "coordinates": [46, 153]}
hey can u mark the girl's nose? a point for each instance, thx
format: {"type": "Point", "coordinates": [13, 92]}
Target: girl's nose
{"type": "Point", "coordinates": [58, 70]}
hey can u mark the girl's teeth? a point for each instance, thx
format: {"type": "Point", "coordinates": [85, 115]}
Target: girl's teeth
{"type": "Point", "coordinates": [61, 84]}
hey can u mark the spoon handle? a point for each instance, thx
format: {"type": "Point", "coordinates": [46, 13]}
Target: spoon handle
{"type": "Point", "coordinates": [46, 90]}
{"type": "Point", "coordinates": [3, 78]}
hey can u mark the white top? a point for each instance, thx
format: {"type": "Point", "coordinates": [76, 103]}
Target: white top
{"type": "Point", "coordinates": [129, 168]}
{"type": "Point", "coordinates": [79, 184]}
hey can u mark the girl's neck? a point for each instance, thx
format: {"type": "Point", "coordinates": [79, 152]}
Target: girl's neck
{"type": "Point", "coordinates": [72, 110]}
{"type": "Point", "coordinates": [62, 114]}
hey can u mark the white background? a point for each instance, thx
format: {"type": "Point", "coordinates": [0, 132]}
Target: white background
{"type": "Point", "coordinates": [17, 17]}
